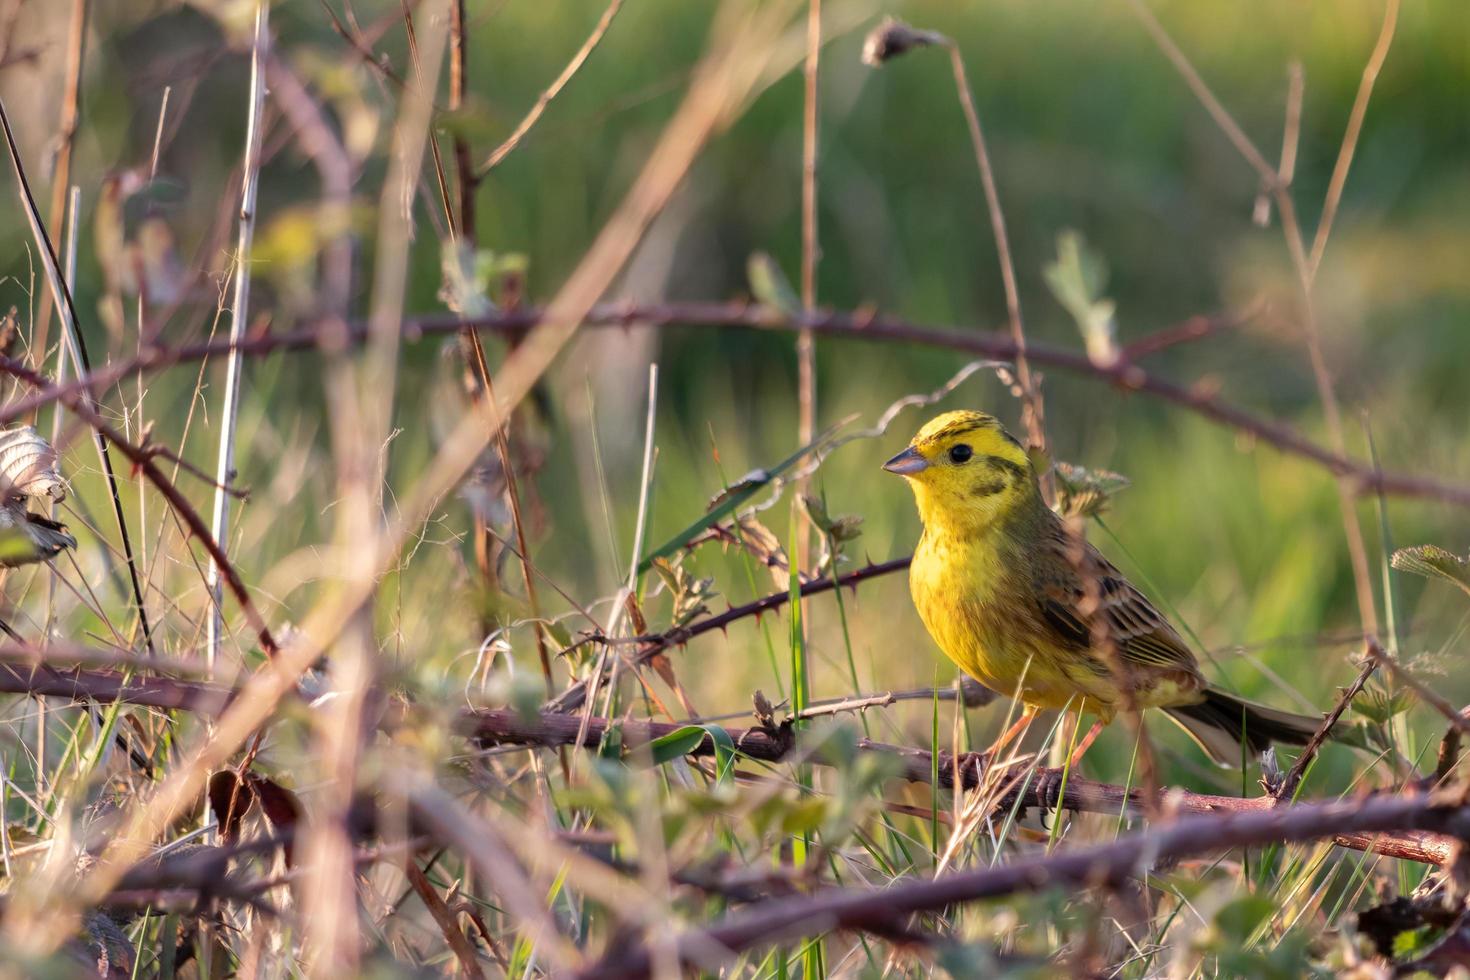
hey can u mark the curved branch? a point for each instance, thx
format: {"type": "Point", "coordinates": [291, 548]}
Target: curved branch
{"type": "Point", "coordinates": [1125, 375]}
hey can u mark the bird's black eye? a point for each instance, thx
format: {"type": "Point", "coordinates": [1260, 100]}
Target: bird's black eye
{"type": "Point", "coordinates": [960, 453]}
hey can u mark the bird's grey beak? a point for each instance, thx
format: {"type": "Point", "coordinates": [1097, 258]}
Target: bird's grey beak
{"type": "Point", "coordinates": [907, 463]}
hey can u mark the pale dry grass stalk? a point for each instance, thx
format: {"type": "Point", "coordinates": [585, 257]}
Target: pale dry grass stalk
{"type": "Point", "coordinates": [361, 396]}
{"type": "Point", "coordinates": [224, 471]}
{"type": "Point", "coordinates": [71, 112]}
{"type": "Point", "coordinates": [74, 207]}
{"type": "Point", "coordinates": [806, 345]}
{"type": "Point", "coordinates": [627, 592]}
{"type": "Point", "coordinates": [137, 418]}
{"type": "Point", "coordinates": [483, 386]}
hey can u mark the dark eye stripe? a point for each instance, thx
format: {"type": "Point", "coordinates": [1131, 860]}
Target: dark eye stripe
{"type": "Point", "coordinates": [1001, 463]}
{"type": "Point", "coordinates": [988, 488]}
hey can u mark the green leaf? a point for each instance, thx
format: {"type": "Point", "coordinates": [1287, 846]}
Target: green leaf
{"type": "Point", "coordinates": [468, 275]}
{"type": "Point", "coordinates": [845, 528]}
{"type": "Point", "coordinates": [1432, 561]}
{"type": "Point", "coordinates": [1237, 920]}
{"type": "Point", "coordinates": [805, 815]}
{"type": "Point", "coordinates": [611, 747]}
{"type": "Point", "coordinates": [769, 285]}
{"type": "Point", "coordinates": [724, 753]}
{"type": "Point", "coordinates": [677, 744]}
{"type": "Point", "coordinates": [1077, 279]}
{"type": "Point", "coordinates": [689, 593]}
{"type": "Point", "coordinates": [462, 290]}
{"type": "Point", "coordinates": [687, 740]}
{"type": "Point", "coordinates": [732, 498]}
{"type": "Point", "coordinates": [1379, 705]}
{"type": "Point", "coordinates": [800, 680]}
{"type": "Point", "coordinates": [1413, 942]}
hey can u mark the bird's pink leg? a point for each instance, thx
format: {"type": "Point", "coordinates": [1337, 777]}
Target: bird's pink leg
{"type": "Point", "coordinates": [1011, 734]}
{"type": "Point", "coordinates": [1085, 744]}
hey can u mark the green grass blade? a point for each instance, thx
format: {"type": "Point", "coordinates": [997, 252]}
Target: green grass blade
{"type": "Point", "coordinates": [727, 503]}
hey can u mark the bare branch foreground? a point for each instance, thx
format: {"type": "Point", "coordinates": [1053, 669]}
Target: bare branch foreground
{"type": "Point", "coordinates": [781, 920]}
{"type": "Point", "coordinates": [1428, 843]}
{"type": "Point", "coordinates": [1420, 826]}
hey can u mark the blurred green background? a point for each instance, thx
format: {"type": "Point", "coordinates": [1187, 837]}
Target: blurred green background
{"type": "Point", "coordinates": [1090, 129]}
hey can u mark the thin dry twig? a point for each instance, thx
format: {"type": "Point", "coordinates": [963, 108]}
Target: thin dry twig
{"type": "Point", "coordinates": [1350, 136]}
{"type": "Point", "coordinates": [553, 90]}
{"type": "Point", "coordinates": [440, 176]}
{"type": "Point", "coordinates": [443, 918]}
{"type": "Point", "coordinates": [483, 389]}
{"type": "Point", "coordinates": [1287, 789]}
{"type": "Point", "coordinates": [485, 849]}
{"type": "Point", "coordinates": [66, 133]}
{"type": "Point", "coordinates": [891, 39]}
{"type": "Point", "coordinates": [1292, 131]}
{"type": "Point", "coordinates": [1034, 416]}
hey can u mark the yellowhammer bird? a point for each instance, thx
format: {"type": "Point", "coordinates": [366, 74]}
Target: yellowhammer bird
{"type": "Point", "coordinates": [1012, 597]}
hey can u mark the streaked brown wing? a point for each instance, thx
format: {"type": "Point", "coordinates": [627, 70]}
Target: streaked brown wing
{"type": "Point", "coordinates": [1141, 634]}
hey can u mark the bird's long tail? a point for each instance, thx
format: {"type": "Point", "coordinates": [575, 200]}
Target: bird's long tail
{"type": "Point", "coordinates": [1221, 722]}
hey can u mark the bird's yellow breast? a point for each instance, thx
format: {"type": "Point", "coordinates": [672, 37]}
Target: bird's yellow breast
{"type": "Point", "coordinates": [977, 606]}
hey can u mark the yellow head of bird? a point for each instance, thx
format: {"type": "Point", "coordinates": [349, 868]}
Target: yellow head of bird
{"type": "Point", "coordinates": [966, 470]}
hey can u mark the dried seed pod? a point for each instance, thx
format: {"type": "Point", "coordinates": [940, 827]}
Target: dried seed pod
{"type": "Point", "coordinates": [28, 465]}
{"type": "Point", "coordinates": [892, 38]}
